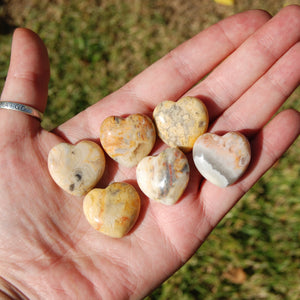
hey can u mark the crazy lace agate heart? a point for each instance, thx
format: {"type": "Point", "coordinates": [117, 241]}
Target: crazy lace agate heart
{"type": "Point", "coordinates": [128, 140]}
{"type": "Point", "coordinates": [163, 178]}
{"type": "Point", "coordinates": [222, 160]}
{"type": "Point", "coordinates": [114, 210]}
{"type": "Point", "coordinates": [76, 168]}
{"type": "Point", "coordinates": [180, 123]}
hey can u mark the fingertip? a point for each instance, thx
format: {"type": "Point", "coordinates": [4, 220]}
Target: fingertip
{"type": "Point", "coordinates": [254, 18]}
{"type": "Point", "coordinates": [290, 118]}
{"type": "Point", "coordinates": [27, 44]}
{"type": "Point", "coordinates": [258, 14]}
{"type": "Point", "coordinates": [25, 34]}
{"type": "Point", "coordinates": [291, 9]}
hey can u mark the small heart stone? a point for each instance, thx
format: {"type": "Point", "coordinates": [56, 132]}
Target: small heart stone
{"type": "Point", "coordinates": [222, 160]}
{"type": "Point", "coordinates": [114, 210]}
{"type": "Point", "coordinates": [76, 168]}
{"type": "Point", "coordinates": [180, 123]}
{"type": "Point", "coordinates": [128, 140]}
{"type": "Point", "coordinates": [163, 178]}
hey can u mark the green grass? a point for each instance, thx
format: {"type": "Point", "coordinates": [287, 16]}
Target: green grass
{"type": "Point", "coordinates": [97, 46]}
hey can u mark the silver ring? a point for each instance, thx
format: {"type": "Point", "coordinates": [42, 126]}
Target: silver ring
{"type": "Point", "coordinates": [22, 108]}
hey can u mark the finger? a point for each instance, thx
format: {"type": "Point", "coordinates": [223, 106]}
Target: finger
{"type": "Point", "coordinates": [255, 108]}
{"type": "Point", "coordinates": [266, 147]}
{"type": "Point", "coordinates": [171, 76]}
{"type": "Point", "coordinates": [248, 63]}
{"type": "Point", "coordinates": [27, 79]}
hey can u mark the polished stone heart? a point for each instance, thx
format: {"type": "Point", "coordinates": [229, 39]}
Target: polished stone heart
{"type": "Point", "coordinates": [163, 178]}
{"type": "Point", "coordinates": [222, 160]}
{"type": "Point", "coordinates": [180, 123]}
{"type": "Point", "coordinates": [127, 140]}
{"type": "Point", "coordinates": [114, 210]}
{"type": "Point", "coordinates": [76, 168]}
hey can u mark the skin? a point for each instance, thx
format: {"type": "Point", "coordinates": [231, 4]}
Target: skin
{"type": "Point", "coordinates": [47, 248]}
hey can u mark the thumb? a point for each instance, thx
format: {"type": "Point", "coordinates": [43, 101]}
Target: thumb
{"type": "Point", "coordinates": [27, 80]}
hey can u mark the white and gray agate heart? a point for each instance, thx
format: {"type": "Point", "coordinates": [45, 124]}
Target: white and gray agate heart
{"type": "Point", "coordinates": [222, 160]}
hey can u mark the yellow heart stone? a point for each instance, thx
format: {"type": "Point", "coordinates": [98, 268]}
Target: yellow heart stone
{"type": "Point", "coordinates": [76, 168]}
{"type": "Point", "coordinates": [180, 123]}
{"type": "Point", "coordinates": [128, 140]}
{"type": "Point", "coordinates": [114, 210]}
{"type": "Point", "coordinates": [163, 178]}
{"type": "Point", "coordinates": [222, 160]}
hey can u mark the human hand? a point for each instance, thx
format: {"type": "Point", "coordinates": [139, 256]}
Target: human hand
{"type": "Point", "coordinates": [47, 248]}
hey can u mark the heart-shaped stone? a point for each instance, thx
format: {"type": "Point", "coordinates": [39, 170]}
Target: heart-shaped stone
{"type": "Point", "coordinates": [163, 178]}
{"type": "Point", "coordinates": [180, 123]}
{"type": "Point", "coordinates": [114, 210]}
{"type": "Point", "coordinates": [222, 159]}
{"type": "Point", "coordinates": [128, 140]}
{"type": "Point", "coordinates": [76, 168]}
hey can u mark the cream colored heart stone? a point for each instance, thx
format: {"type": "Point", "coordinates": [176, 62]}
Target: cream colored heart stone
{"type": "Point", "coordinates": [163, 178]}
{"type": "Point", "coordinates": [222, 160]}
{"type": "Point", "coordinates": [114, 210]}
{"type": "Point", "coordinates": [180, 123]}
{"type": "Point", "coordinates": [128, 140]}
{"type": "Point", "coordinates": [76, 168]}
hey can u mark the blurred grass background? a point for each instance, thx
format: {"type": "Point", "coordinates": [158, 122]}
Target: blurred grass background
{"type": "Point", "coordinates": [95, 46]}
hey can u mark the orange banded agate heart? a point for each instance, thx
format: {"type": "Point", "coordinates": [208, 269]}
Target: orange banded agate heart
{"type": "Point", "coordinates": [222, 160]}
{"type": "Point", "coordinates": [114, 210]}
{"type": "Point", "coordinates": [128, 140]}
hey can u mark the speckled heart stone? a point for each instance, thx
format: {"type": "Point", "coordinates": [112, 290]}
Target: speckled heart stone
{"type": "Point", "coordinates": [128, 140]}
{"type": "Point", "coordinates": [76, 168]}
{"type": "Point", "coordinates": [163, 178]}
{"type": "Point", "coordinates": [222, 160]}
{"type": "Point", "coordinates": [180, 123]}
{"type": "Point", "coordinates": [114, 210]}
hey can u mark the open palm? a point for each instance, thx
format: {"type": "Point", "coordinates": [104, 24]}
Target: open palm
{"type": "Point", "coordinates": [47, 248]}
